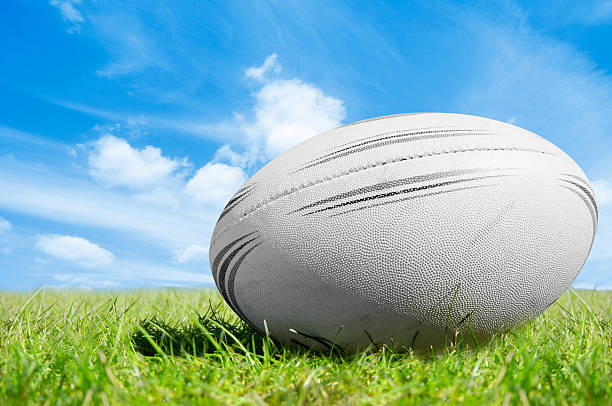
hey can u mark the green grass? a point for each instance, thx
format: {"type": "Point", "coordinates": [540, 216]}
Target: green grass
{"type": "Point", "coordinates": [173, 347]}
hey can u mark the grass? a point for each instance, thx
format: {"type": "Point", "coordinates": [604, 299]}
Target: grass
{"type": "Point", "coordinates": [184, 347]}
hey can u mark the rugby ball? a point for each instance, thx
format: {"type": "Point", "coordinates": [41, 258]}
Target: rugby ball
{"type": "Point", "coordinates": [404, 230]}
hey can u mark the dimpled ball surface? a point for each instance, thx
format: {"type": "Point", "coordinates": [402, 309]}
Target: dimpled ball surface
{"type": "Point", "coordinates": [399, 229]}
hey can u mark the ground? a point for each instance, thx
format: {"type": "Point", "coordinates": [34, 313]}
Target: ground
{"type": "Point", "coordinates": [185, 347]}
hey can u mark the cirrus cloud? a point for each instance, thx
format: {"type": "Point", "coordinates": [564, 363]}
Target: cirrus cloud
{"type": "Point", "coordinates": [69, 13]}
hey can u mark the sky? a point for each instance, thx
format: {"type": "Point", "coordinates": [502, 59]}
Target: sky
{"type": "Point", "coordinates": [126, 126]}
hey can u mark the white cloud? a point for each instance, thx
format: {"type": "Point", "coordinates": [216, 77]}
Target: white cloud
{"type": "Point", "coordinates": [259, 72]}
{"type": "Point", "coordinates": [288, 112]}
{"type": "Point", "coordinates": [69, 13]}
{"type": "Point", "coordinates": [4, 225]}
{"type": "Point", "coordinates": [215, 183]}
{"type": "Point", "coordinates": [285, 113]}
{"type": "Point", "coordinates": [603, 191]}
{"type": "Point", "coordinates": [226, 154]}
{"type": "Point", "coordinates": [190, 253]}
{"type": "Point", "coordinates": [116, 163]}
{"type": "Point", "coordinates": [75, 249]}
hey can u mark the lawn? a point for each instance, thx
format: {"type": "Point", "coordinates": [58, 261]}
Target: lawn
{"type": "Point", "coordinates": [185, 347]}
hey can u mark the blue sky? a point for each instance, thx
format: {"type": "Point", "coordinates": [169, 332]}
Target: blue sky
{"type": "Point", "coordinates": [126, 126]}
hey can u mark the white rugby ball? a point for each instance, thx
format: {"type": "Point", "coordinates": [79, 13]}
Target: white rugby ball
{"type": "Point", "coordinates": [404, 230]}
